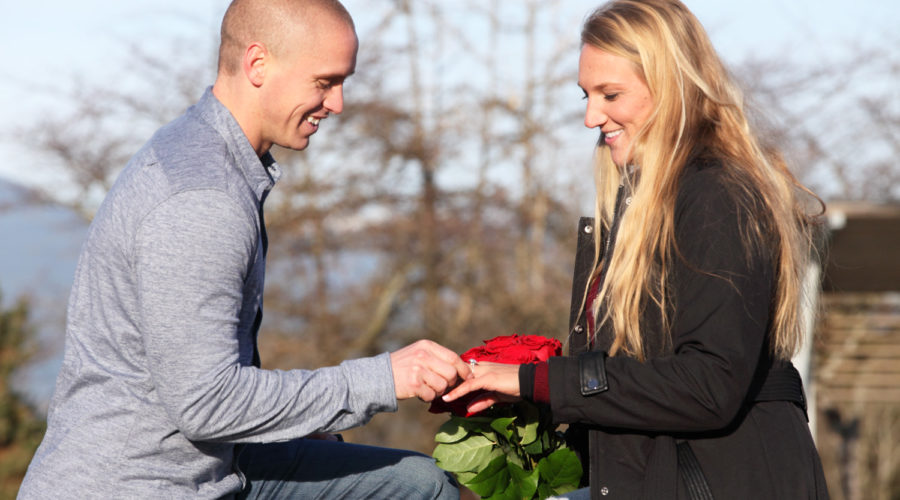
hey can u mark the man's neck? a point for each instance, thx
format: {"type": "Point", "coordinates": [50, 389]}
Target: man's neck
{"type": "Point", "coordinates": [239, 104]}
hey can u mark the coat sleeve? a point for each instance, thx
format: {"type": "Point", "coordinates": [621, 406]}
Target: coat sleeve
{"type": "Point", "coordinates": [191, 259]}
{"type": "Point", "coordinates": [722, 295]}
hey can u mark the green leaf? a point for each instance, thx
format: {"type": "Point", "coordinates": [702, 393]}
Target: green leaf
{"type": "Point", "coordinates": [491, 479]}
{"type": "Point", "coordinates": [501, 425]}
{"type": "Point", "coordinates": [561, 470]}
{"type": "Point", "coordinates": [531, 433]}
{"type": "Point", "coordinates": [535, 448]}
{"type": "Point", "coordinates": [549, 443]}
{"type": "Point", "coordinates": [451, 432]}
{"type": "Point", "coordinates": [544, 490]}
{"type": "Point", "coordinates": [480, 425]}
{"type": "Point", "coordinates": [470, 454]}
{"type": "Point", "coordinates": [528, 423]}
{"type": "Point", "coordinates": [522, 483]}
{"type": "Point", "coordinates": [464, 477]}
{"type": "Point", "coordinates": [514, 458]}
{"type": "Point", "coordinates": [504, 480]}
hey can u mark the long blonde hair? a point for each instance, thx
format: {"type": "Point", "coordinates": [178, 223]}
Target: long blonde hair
{"type": "Point", "coordinates": [697, 107]}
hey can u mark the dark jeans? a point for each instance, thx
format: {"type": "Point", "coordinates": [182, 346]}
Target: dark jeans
{"type": "Point", "coordinates": [309, 468]}
{"type": "Point", "coordinates": [582, 494]}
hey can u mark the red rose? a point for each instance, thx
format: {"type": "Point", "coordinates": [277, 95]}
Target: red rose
{"type": "Point", "coordinates": [509, 349]}
{"type": "Point", "coordinates": [515, 349]}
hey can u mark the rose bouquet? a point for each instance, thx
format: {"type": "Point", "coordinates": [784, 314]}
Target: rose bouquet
{"type": "Point", "coordinates": [510, 451]}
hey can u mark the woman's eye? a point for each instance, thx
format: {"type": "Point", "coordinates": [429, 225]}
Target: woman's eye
{"type": "Point", "coordinates": [611, 97]}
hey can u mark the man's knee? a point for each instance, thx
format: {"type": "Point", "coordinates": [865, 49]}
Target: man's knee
{"type": "Point", "coordinates": [431, 480]}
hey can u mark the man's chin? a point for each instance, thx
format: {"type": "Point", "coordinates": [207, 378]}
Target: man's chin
{"type": "Point", "coordinates": [296, 145]}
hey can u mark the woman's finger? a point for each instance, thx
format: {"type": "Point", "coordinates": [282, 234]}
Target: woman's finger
{"type": "Point", "coordinates": [482, 403]}
{"type": "Point", "coordinates": [472, 384]}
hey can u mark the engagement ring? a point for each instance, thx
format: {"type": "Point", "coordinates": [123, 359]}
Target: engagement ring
{"type": "Point", "coordinates": [473, 363]}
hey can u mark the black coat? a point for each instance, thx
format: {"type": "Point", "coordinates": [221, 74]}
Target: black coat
{"type": "Point", "coordinates": [705, 387]}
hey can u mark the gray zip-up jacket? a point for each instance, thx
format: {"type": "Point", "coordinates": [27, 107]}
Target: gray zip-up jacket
{"type": "Point", "coordinates": [158, 382]}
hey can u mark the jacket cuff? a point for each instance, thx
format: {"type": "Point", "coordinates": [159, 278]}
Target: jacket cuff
{"type": "Point", "coordinates": [371, 384]}
{"type": "Point", "coordinates": [534, 384]}
{"type": "Point", "coordinates": [567, 401]}
{"type": "Point", "coordinates": [542, 383]}
{"type": "Point", "coordinates": [526, 381]}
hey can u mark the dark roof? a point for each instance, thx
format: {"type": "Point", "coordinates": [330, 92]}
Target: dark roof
{"type": "Point", "coordinates": [863, 254]}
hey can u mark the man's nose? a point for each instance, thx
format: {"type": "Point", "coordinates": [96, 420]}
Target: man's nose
{"type": "Point", "coordinates": [334, 101]}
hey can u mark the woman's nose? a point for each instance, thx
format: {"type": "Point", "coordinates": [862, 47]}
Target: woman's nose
{"type": "Point", "coordinates": [594, 116]}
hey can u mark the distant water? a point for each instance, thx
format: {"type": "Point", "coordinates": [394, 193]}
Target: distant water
{"type": "Point", "coordinates": [39, 249]}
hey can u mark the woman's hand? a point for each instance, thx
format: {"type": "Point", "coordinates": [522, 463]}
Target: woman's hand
{"type": "Point", "coordinates": [501, 381]}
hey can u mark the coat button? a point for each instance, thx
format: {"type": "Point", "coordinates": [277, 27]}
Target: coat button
{"type": "Point", "coordinates": [578, 329]}
{"type": "Point", "coordinates": [604, 491]}
{"type": "Point", "coordinates": [589, 229]}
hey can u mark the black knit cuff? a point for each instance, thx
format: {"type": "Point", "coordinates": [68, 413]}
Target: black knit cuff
{"type": "Point", "coordinates": [526, 381]}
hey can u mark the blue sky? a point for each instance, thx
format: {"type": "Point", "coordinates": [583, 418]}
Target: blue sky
{"type": "Point", "coordinates": [48, 44]}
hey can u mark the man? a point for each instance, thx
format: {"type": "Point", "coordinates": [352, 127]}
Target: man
{"type": "Point", "coordinates": [160, 393]}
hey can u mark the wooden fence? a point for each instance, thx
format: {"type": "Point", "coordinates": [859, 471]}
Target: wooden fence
{"type": "Point", "coordinates": [857, 379]}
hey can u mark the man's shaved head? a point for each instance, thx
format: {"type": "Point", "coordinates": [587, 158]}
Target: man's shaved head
{"type": "Point", "coordinates": [274, 23]}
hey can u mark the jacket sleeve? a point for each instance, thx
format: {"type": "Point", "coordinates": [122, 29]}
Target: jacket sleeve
{"type": "Point", "coordinates": [722, 296]}
{"type": "Point", "coordinates": [191, 257]}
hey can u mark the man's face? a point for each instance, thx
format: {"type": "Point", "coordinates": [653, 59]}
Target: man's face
{"type": "Point", "coordinates": [306, 84]}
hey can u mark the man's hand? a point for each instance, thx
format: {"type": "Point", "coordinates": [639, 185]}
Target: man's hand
{"type": "Point", "coordinates": [323, 436]}
{"type": "Point", "coordinates": [501, 381]}
{"type": "Point", "coordinates": [425, 370]}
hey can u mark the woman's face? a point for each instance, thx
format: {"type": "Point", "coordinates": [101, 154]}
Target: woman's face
{"type": "Point", "coordinates": [618, 100]}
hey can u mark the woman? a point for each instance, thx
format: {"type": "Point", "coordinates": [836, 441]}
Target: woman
{"type": "Point", "coordinates": [687, 307]}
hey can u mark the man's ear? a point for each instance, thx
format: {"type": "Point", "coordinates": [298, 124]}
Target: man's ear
{"type": "Point", "coordinates": [254, 63]}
